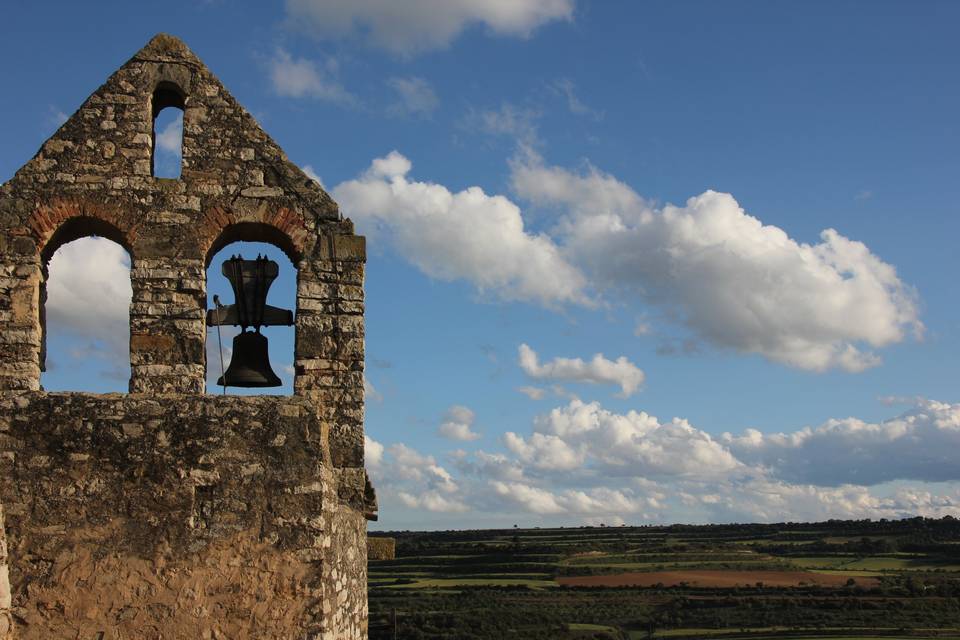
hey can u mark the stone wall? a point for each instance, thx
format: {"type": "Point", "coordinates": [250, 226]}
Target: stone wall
{"type": "Point", "coordinates": [6, 624]}
{"type": "Point", "coordinates": [216, 519]}
{"type": "Point", "coordinates": [380, 548]}
{"type": "Point", "coordinates": [166, 512]}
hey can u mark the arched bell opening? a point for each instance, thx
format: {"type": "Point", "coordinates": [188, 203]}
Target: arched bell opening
{"type": "Point", "coordinates": [262, 295]}
{"type": "Point", "coordinates": [85, 295]}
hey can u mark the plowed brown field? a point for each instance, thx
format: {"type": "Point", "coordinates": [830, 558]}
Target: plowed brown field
{"type": "Point", "coordinates": [715, 578]}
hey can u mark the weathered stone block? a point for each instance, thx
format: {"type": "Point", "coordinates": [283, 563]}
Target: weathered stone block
{"type": "Point", "coordinates": [346, 445]}
{"type": "Point", "coordinates": [381, 548]}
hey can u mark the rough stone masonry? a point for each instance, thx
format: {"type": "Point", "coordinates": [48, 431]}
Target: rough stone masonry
{"type": "Point", "coordinates": [165, 512]}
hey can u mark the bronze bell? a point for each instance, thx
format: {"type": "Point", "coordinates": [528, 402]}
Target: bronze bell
{"type": "Point", "coordinates": [250, 364]}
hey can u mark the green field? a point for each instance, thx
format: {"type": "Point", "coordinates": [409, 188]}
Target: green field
{"type": "Point", "coordinates": [898, 579]}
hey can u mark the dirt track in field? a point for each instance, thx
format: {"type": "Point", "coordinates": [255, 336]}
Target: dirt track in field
{"type": "Point", "coordinates": [716, 578]}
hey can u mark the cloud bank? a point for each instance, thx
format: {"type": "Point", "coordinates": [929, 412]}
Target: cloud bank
{"type": "Point", "coordinates": [583, 462]}
{"type": "Point", "coordinates": [920, 444]}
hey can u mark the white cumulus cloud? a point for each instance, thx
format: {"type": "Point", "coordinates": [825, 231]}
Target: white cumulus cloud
{"type": "Point", "coordinates": [490, 465]}
{"type": "Point", "coordinates": [88, 297]}
{"type": "Point", "coordinates": [302, 78]}
{"type": "Point", "coordinates": [432, 501]}
{"type": "Point", "coordinates": [170, 139]}
{"type": "Point", "coordinates": [734, 281]}
{"type": "Point", "coordinates": [466, 235]}
{"type": "Point", "coordinates": [409, 464]}
{"type": "Point", "coordinates": [370, 392]}
{"type": "Point", "coordinates": [545, 451]}
{"type": "Point", "coordinates": [372, 452]}
{"type": "Point", "coordinates": [763, 499]}
{"type": "Point", "coordinates": [843, 469]}
{"type": "Point", "coordinates": [406, 477]}
{"type": "Point", "coordinates": [458, 424]}
{"type": "Point", "coordinates": [582, 462]}
{"type": "Point", "coordinates": [414, 26]}
{"type": "Point", "coordinates": [599, 370]}
{"type": "Point", "coordinates": [632, 444]}
{"type": "Point", "coordinates": [596, 501]}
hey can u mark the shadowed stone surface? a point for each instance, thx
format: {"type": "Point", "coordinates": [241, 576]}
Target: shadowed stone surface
{"type": "Point", "coordinates": [167, 513]}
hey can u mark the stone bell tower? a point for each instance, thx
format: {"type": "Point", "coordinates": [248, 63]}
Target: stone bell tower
{"type": "Point", "coordinates": [165, 512]}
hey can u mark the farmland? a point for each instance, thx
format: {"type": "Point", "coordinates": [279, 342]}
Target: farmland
{"type": "Point", "coordinates": [887, 579]}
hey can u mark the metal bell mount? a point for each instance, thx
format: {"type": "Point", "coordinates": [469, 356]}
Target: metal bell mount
{"type": "Point", "coordinates": [250, 362]}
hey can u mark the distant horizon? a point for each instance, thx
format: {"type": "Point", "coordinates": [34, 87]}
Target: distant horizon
{"type": "Point", "coordinates": [378, 533]}
{"type": "Point", "coordinates": [689, 262]}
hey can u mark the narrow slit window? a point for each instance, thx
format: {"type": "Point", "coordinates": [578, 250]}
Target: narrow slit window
{"type": "Point", "coordinates": [168, 105]}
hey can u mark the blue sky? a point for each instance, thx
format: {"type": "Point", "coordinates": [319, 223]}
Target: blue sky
{"type": "Point", "coordinates": [724, 233]}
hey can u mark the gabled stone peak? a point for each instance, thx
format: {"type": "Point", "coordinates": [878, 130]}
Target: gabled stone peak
{"type": "Point", "coordinates": [104, 154]}
{"type": "Point", "coordinates": [164, 45]}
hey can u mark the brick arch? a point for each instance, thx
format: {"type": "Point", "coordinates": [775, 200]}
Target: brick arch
{"type": "Point", "coordinates": [282, 228]}
{"type": "Point", "coordinates": [61, 221]}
